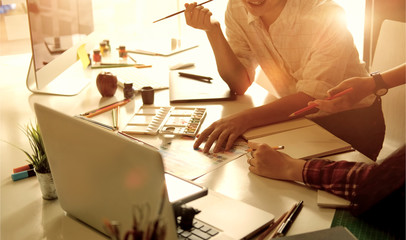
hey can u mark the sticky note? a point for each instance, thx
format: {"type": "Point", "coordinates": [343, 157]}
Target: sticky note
{"type": "Point", "coordinates": [82, 54]}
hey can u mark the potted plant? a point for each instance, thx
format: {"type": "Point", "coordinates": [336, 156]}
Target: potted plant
{"type": "Point", "coordinates": [39, 160]}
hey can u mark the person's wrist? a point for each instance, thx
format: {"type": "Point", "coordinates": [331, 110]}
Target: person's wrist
{"type": "Point", "coordinates": [214, 29]}
{"type": "Point", "coordinates": [295, 169]}
{"type": "Point", "coordinates": [246, 118]}
{"type": "Point", "coordinates": [370, 84]}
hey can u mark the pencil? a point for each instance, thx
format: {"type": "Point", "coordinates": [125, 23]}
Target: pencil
{"type": "Point", "coordinates": [285, 216]}
{"type": "Point", "coordinates": [174, 14]}
{"type": "Point", "coordinates": [274, 148]}
{"type": "Point", "coordinates": [271, 227]}
{"type": "Point", "coordinates": [95, 122]}
{"type": "Point", "coordinates": [131, 58]}
{"type": "Point", "coordinates": [250, 150]}
{"type": "Point", "coordinates": [289, 220]}
{"type": "Point", "coordinates": [118, 65]}
{"type": "Point", "coordinates": [105, 108]}
{"type": "Point", "coordinates": [114, 113]}
{"type": "Point", "coordinates": [195, 77]}
{"type": "Point", "coordinates": [311, 106]}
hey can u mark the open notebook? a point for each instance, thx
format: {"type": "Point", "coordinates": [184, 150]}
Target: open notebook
{"type": "Point", "coordinates": [306, 142]}
{"type": "Point", "coordinates": [277, 128]}
{"type": "Point", "coordinates": [101, 176]}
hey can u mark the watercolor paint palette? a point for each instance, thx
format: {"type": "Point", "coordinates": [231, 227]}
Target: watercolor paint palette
{"type": "Point", "coordinates": [166, 120]}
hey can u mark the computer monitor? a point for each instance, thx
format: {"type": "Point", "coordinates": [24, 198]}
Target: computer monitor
{"type": "Point", "coordinates": [58, 28]}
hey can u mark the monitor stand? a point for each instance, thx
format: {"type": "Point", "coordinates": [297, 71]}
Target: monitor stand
{"type": "Point", "coordinates": [61, 86]}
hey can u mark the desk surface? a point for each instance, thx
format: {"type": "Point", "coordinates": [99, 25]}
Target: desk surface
{"type": "Point", "coordinates": [25, 215]}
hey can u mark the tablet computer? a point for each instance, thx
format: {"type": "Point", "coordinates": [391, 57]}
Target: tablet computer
{"type": "Point", "coordinates": [181, 191]}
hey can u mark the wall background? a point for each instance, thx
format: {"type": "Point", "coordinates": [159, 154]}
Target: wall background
{"type": "Point", "coordinates": [136, 16]}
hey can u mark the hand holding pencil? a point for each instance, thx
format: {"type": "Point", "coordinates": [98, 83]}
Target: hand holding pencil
{"type": "Point", "coordinates": [316, 103]}
{"type": "Point", "coordinates": [271, 162]}
{"type": "Point", "coordinates": [199, 17]}
{"type": "Point", "coordinates": [174, 14]}
{"type": "Point", "coordinates": [362, 88]}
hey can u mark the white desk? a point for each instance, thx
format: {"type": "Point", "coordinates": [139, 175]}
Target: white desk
{"type": "Point", "coordinates": [25, 215]}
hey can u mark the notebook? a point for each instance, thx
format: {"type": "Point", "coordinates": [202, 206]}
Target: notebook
{"type": "Point", "coordinates": [102, 176]}
{"type": "Point", "coordinates": [329, 200]}
{"type": "Point", "coordinates": [182, 89]}
{"type": "Point", "coordinates": [277, 128]}
{"type": "Point", "coordinates": [306, 142]}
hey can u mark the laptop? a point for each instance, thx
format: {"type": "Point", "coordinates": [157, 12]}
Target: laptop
{"type": "Point", "coordinates": [101, 176]}
{"type": "Point", "coordinates": [183, 89]}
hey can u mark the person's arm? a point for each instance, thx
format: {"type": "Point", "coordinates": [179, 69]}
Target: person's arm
{"type": "Point", "coordinates": [266, 162]}
{"type": "Point", "coordinates": [226, 130]}
{"type": "Point", "coordinates": [395, 76]}
{"type": "Point", "coordinates": [329, 57]}
{"type": "Point", "coordinates": [340, 178]}
{"type": "Point", "coordinates": [229, 67]}
{"type": "Point", "coordinates": [363, 87]}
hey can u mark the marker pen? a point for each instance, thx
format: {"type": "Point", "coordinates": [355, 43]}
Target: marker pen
{"type": "Point", "coordinates": [23, 168]}
{"type": "Point", "coordinates": [22, 175]}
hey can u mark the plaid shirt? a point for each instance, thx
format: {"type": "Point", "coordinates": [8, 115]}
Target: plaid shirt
{"type": "Point", "coordinates": [341, 178]}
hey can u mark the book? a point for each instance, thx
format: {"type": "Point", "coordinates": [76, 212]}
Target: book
{"type": "Point", "coordinates": [277, 128]}
{"type": "Point", "coordinates": [306, 142]}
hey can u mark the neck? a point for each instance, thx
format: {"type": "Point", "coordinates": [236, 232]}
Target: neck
{"type": "Point", "coordinates": [271, 17]}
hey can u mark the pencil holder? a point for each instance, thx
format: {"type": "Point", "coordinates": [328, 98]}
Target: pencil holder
{"type": "Point", "coordinates": [147, 94]}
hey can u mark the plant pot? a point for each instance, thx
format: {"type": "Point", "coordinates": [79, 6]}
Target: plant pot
{"type": "Point", "coordinates": [46, 183]}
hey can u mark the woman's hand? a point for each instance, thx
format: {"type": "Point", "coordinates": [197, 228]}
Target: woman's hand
{"type": "Point", "coordinates": [199, 17]}
{"type": "Point", "coordinates": [363, 87]}
{"type": "Point", "coordinates": [224, 131]}
{"type": "Point", "coordinates": [270, 163]}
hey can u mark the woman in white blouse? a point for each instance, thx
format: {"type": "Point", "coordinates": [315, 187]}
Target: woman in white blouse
{"type": "Point", "coordinates": [304, 48]}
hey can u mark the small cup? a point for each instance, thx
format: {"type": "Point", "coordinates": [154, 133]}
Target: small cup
{"type": "Point", "coordinates": [147, 94]}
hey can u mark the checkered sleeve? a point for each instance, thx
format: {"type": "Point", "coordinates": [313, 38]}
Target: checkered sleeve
{"type": "Point", "coordinates": [340, 178]}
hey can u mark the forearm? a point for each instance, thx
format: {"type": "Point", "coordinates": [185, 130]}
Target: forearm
{"type": "Point", "coordinates": [229, 67]}
{"type": "Point", "coordinates": [276, 111]}
{"type": "Point", "coordinates": [340, 178]}
{"type": "Point", "coordinates": [395, 76]}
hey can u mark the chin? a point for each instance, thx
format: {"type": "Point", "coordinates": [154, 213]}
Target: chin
{"type": "Point", "coordinates": [255, 7]}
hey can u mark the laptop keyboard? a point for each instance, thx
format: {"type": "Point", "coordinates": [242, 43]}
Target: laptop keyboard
{"type": "Point", "coordinates": [139, 80]}
{"type": "Point", "coordinates": [199, 231]}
